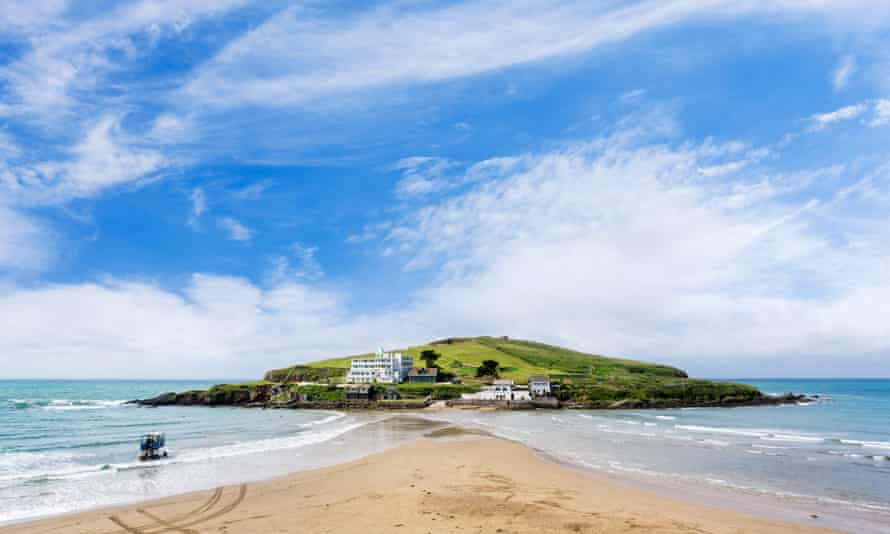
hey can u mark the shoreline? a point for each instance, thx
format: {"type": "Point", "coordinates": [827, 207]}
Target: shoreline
{"type": "Point", "coordinates": [434, 483]}
{"type": "Point", "coordinates": [188, 399]}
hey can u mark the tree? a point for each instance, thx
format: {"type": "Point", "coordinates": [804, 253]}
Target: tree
{"type": "Point", "coordinates": [429, 357]}
{"type": "Point", "coordinates": [488, 368]}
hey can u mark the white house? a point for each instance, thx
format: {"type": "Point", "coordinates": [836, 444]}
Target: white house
{"type": "Point", "coordinates": [387, 367]}
{"type": "Point", "coordinates": [500, 390]}
{"type": "Point", "coordinates": [539, 385]}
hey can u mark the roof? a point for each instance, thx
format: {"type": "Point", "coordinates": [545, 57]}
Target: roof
{"type": "Point", "coordinates": [423, 371]}
{"type": "Point", "coordinates": [503, 382]}
{"type": "Point", "coordinates": [538, 378]}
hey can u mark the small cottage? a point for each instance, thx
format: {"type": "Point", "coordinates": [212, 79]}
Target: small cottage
{"type": "Point", "coordinates": [500, 390]}
{"type": "Point", "coordinates": [539, 385]}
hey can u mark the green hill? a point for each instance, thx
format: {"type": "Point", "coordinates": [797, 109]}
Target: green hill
{"type": "Point", "coordinates": [587, 379]}
{"type": "Point", "coordinates": [518, 360]}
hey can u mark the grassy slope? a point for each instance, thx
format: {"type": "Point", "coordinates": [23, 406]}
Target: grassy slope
{"type": "Point", "coordinates": [585, 377]}
{"type": "Point", "coordinates": [518, 359]}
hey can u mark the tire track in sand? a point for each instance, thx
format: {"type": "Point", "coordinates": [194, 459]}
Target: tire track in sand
{"type": "Point", "coordinates": [183, 521]}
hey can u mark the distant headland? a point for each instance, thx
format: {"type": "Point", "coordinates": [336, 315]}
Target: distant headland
{"type": "Point", "coordinates": [477, 372]}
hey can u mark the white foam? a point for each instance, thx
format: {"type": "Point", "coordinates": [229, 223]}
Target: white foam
{"type": "Point", "coordinates": [330, 419]}
{"type": "Point", "coordinates": [845, 454]}
{"type": "Point", "coordinates": [722, 430]}
{"type": "Point", "coordinates": [867, 444]}
{"type": "Point", "coordinates": [796, 438]}
{"type": "Point", "coordinates": [67, 404]}
{"type": "Point", "coordinates": [55, 465]}
{"type": "Point", "coordinates": [665, 417]}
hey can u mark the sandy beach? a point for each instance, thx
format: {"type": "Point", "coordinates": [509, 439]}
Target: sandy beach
{"type": "Point", "coordinates": [446, 482]}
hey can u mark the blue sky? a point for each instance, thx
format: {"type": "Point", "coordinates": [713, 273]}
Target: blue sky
{"type": "Point", "coordinates": [220, 188]}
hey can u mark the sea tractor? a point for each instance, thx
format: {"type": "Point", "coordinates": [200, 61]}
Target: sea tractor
{"type": "Point", "coordinates": [152, 446]}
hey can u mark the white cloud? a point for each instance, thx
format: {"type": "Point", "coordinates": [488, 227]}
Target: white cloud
{"type": "Point", "coordinates": [843, 72]}
{"type": "Point", "coordinates": [881, 115]}
{"type": "Point", "coordinates": [8, 147]}
{"type": "Point", "coordinates": [171, 129]}
{"type": "Point", "coordinates": [216, 325]}
{"type": "Point", "coordinates": [26, 245]}
{"type": "Point", "coordinates": [610, 246]}
{"type": "Point", "coordinates": [24, 15]}
{"type": "Point", "coordinates": [315, 56]}
{"type": "Point", "coordinates": [613, 246]}
{"type": "Point", "coordinates": [369, 232]}
{"type": "Point", "coordinates": [724, 168]}
{"type": "Point", "coordinates": [423, 175]}
{"type": "Point", "coordinates": [878, 109]}
{"type": "Point", "coordinates": [199, 206]}
{"type": "Point", "coordinates": [235, 229]}
{"type": "Point", "coordinates": [301, 264]}
{"type": "Point", "coordinates": [846, 113]}
{"type": "Point", "coordinates": [102, 159]}
{"type": "Point", "coordinates": [634, 95]}
{"type": "Point", "coordinates": [69, 55]}
{"type": "Point", "coordinates": [199, 202]}
{"type": "Point", "coordinates": [624, 250]}
{"type": "Point", "coordinates": [252, 191]}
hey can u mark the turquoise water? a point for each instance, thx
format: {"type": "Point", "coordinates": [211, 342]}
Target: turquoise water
{"type": "Point", "coordinates": [830, 458]}
{"type": "Point", "coordinates": [71, 445]}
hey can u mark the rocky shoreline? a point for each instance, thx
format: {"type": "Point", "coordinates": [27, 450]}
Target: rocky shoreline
{"type": "Point", "coordinates": [203, 399]}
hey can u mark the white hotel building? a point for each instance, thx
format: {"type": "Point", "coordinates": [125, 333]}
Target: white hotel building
{"type": "Point", "coordinates": [387, 367]}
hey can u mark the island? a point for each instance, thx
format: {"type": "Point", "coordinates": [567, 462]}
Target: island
{"type": "Point", "coordinates": [499, 372]}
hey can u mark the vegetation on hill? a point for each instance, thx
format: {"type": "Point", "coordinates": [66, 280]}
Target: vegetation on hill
{"type": "Point", "coordinates": [305, 373]}
{"type": "Point", "coordinates": [585, 379]}
{"type": "Point", "coordinates": [517, 360]}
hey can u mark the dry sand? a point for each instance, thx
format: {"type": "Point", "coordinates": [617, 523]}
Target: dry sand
{"type": "Point", "coordinates": [463, 484]}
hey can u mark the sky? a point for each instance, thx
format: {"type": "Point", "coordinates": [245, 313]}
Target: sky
{"type": "Point", "coordinates": [212, 189]}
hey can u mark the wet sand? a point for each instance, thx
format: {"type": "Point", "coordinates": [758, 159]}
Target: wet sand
{"type": "Point", "coordinates": [449, 481]}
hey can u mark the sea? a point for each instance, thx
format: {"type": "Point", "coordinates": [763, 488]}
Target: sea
{"type": "Point", "coordinates": [68, 446]}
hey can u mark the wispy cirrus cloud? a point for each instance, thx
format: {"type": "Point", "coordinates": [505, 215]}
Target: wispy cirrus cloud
{"type": "Point", "coordinates": [300, 263]}
{"type": "Point", "coordinates": [102, 159]}
{"type": "Point", "coordinates": [845, 113]}
{"type": "Point", "coordinates": [69, 55]}
{"type": "Point", "coordinates": [874, 112]}
{"type": "Point", "coordinates": [423, 175]}
{"type": "Point", "coordinates": [844, 71]}
{"type": "Point", "coordinates": [881, 116]}
{"type": "Point", "coordinates": [199, 206]}
{"type": "Point", "coordinates": [316, 56]}
{"type": "Point", "coordinates": [253, 191]}
{"type": "Point", "coordinates": [235, 229]}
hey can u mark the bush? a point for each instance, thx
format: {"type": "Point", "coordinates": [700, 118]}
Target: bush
{"type": "Point", "coordinates": [303, 373]}
{"type": "Point", "coordinates": [320, 393]}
